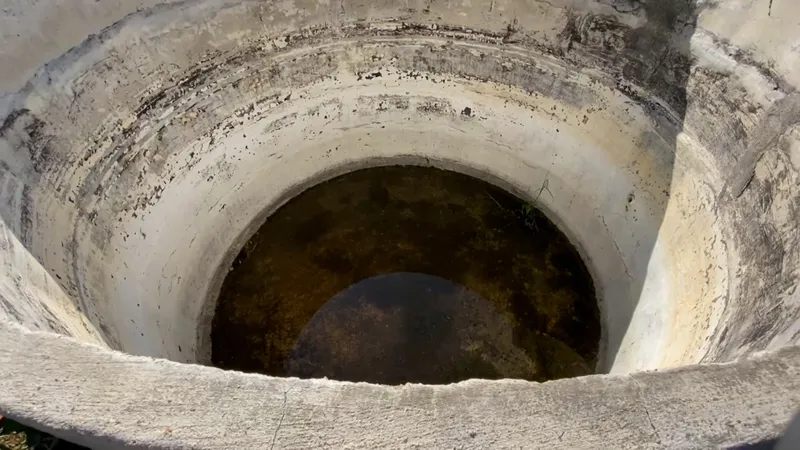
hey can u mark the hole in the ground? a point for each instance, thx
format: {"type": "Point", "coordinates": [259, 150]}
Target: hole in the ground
{"type": "Point", "coordinates": [408, 274]}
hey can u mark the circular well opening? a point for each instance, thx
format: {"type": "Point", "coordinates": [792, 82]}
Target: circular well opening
{"type": "Point", "coordinates": [408, 274]}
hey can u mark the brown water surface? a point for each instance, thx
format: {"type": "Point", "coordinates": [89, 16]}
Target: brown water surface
{"type": "Point", "coordinates": [407, 274]}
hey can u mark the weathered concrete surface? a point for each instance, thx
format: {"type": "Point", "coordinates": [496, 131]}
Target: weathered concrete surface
{"type": "Point", "coordinates": [111, 400]}
{"type": "Point", "coordinates": [151, 138]}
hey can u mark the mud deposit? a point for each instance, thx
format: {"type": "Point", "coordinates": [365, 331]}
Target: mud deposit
{"type": "Point", "coordinates": [408, 274]}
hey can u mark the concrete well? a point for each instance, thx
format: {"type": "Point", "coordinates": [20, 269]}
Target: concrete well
{"type": "Point", "coordinates": [143, 142]}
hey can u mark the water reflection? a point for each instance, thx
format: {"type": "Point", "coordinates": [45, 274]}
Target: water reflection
{"type": "Point", "coordinates": [407, 274]}
{"type": "Point", "coordinates": [408, 327]}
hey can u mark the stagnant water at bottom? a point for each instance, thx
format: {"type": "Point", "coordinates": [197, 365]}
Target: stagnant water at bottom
{"type": "Point", "coordinates": [407, 275]}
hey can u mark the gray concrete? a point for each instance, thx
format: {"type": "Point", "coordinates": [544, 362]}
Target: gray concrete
{"type": "Point", "coordinates": [142, 142]}
{"type": "Point", "coordinates": [137, 402]}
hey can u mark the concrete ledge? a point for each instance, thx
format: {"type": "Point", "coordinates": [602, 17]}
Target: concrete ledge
{"type": "Point", "coordinates": [106, 399]}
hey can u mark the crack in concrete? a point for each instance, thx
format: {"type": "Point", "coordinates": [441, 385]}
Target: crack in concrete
{"type": "Point", "coordinates": [280, 422]}
{"type": "Point", "coordinates": [646, 411]}
{"type": "Point", "coordinates": [650, 420]}
{"type": "Point", "coordinates": [622, 258]}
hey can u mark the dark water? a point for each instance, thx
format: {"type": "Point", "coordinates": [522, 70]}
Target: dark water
{"type": "Point", "coordinates": [407, 274]}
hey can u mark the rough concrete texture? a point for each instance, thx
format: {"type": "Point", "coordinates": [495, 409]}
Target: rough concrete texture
{"type": "Point", "coordinates": [151, 138]}
{"type": "Point", "coordinates": [138, 402]}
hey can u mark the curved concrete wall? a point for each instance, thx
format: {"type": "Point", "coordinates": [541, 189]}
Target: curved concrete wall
{"type": "Point", "coordinates": [142, 143]}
